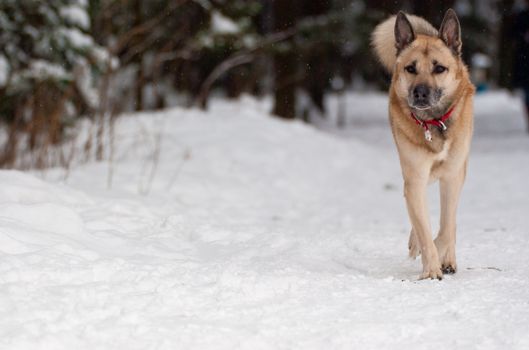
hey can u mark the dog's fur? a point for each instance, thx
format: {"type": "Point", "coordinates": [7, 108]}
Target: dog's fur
{"type": "Point", "coordinates": [428, 92]}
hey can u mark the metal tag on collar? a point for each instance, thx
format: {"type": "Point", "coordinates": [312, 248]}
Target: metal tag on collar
{"type": "Point", "coordinates": [443, 126]}
{"type": "Point", "coordinates": [428, 135]}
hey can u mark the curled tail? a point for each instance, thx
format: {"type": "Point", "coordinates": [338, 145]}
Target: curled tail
{"type": "Point", "coordinates": [383, 38]}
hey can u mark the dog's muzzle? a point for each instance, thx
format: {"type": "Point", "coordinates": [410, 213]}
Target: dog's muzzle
{"type": "Point", "coordinates": [421, 97]}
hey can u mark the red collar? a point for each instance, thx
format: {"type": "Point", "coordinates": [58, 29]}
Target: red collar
{"type": "Point", "coordinates": [440, 123]}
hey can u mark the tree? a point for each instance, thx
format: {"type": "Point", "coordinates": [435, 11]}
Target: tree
{"type": "Point", "coordinates": [506, 44]}
{"type": "Point", "coordinates": [47, 58]}
{"type": "Point", "coordinates": [285, 60]}
{"type": "Point", "coordinates": [318, 75]}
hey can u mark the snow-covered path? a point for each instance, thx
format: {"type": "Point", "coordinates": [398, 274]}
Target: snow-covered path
{"type": "Point", "coordinates": [245, 232]}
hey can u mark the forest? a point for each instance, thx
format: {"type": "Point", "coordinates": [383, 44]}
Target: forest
{"type": "Point", "coordinates": [66, 60]}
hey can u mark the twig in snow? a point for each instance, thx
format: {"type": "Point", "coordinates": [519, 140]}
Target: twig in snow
{"type": "Point", "coordinates": [155, 156]}
{"type": "Point", "coordinates": [185, 158]}
{"type": "Point", "coordinates": [485, 268]}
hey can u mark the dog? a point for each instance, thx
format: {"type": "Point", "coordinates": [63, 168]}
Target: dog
{"type": "Point", "coordinates": [431, 118]}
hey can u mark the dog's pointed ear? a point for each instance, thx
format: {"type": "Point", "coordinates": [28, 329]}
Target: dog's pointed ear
{"type": "Point", "coordinates": [450, 32]}
{"type": "Point", "coordinates": [404, 34]}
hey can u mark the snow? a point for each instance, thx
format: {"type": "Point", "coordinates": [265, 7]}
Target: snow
{"type": "Point", "coordinates": [103, 58]}
{"type": "Point", "coordinates": [480, 60]}
{"type": "Point", "coordinates": [76, 38]}
{"type": "Point", "coordinates": [221, 24]}
{"type": "Point", "coordinates": [4, 70]}
{"type": "Point", "coordinates": [41, 70]}
{"type": "Point", "coordinates": [231, 229]}
{"type": "Point", "coordinates": [76, 15]}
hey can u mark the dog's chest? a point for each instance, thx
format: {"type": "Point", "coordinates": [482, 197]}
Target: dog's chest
{"type": "Point", "coordinates": [439, 162]}
{"type": "Point", "coordinates": [440, 143]}
{"type": "Point", "coordinates": [443, 151]}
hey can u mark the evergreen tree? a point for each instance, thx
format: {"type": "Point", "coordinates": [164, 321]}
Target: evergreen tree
{"type": "Point", "coordinates": [47, 59]}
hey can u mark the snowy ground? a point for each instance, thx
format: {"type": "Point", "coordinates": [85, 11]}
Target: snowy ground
{"type": "Point", "coordinates": [246, 232]}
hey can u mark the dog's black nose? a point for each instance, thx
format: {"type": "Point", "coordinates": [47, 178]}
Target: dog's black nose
{"type": "Point", "coordinates": [421, 94]}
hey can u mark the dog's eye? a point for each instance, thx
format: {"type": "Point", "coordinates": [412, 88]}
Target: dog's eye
{"type": "Point", "coordinates": [439, 69]}
{"type": "Point", "coordinates": [411, 69]}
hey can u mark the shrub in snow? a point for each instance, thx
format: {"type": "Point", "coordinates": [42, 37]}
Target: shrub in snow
{"type": "Point", "coordinates": [47, 59]}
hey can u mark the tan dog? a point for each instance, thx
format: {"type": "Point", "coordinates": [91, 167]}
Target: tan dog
{"type": "Point", "coordinates": [431, 116]}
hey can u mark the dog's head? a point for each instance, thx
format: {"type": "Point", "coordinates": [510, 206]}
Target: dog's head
{"type": "Point", "coordinates": [428, 68]}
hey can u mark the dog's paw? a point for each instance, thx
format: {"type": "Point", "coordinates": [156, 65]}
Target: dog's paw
{"type": "Point", "coordinates": [431, 269]}
{"type": "Point", "coordinates": [449, 269]}
{"type": "Point", "coordinates": [447, 256]}
{"type": "Point", "coordinates": [432, 274]}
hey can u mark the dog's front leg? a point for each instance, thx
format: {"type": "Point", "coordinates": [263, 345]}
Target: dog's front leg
{"type": "Point", "coordinates": [450, 188]}
{"type": "Point", "coordinates": [415, 193]}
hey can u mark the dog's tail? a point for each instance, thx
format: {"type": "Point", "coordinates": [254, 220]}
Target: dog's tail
{"type": "Point", "coordinates": [383, 38]}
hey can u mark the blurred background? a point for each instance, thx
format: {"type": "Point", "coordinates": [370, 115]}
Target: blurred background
{"type": "Point", "coordinates": [66, 60]}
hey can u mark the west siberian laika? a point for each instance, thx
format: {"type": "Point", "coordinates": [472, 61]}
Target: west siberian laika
{"type": "Point", "coordinates": [431, 117]}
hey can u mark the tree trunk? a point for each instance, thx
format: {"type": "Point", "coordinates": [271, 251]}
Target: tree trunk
{"type": "Point", "coordinates": [317, 62]}
{"type": "Point", "coordinates": [285, 14]}
{"type": "Point", "coordinates": [506, 44]}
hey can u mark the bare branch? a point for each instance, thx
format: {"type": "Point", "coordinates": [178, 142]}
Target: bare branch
{"type": "Point", "coordinates": [146, 26]}
{"type": "Point", "coordinates": [237, 59]}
